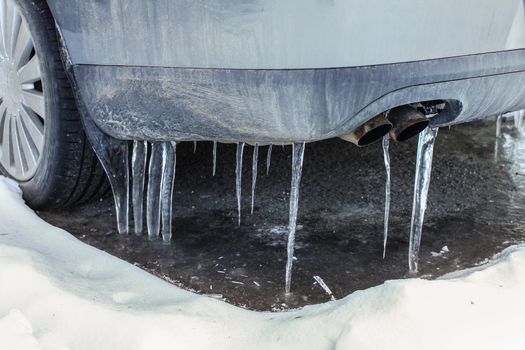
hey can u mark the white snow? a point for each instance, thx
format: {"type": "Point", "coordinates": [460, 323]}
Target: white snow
{"type": "Point", "coordinates": [58, 293]}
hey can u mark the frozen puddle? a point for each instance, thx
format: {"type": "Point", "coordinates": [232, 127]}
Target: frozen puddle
{"type": "Point", "coordinates": [58, 293]}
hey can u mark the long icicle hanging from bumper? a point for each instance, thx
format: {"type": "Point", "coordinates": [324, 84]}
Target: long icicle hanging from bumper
{"type": "Point", "coordinates": [255, 158]}
{"type": "Point", "coordinates": [153, 203]}
{"type": "Point", "coordinates": [297, 169]}
{"type": "Point", "coordinates": [169, 161]}
{"type": "Point", "coordinates": [138, 170]}
{"type": "Point", "coordinates": [238, 179]}
{"type": "Point", "coordinates": [386, 156]}
{"type": "Point", "coordinates": [425, 150]}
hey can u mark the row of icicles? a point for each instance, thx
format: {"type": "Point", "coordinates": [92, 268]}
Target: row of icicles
{"type": "Point", "coordinates": [162, 176]}
{"type": "Point", "coordinates": [161, 179]}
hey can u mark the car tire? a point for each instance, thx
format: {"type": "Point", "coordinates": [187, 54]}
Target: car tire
{"type": "Point", "coordinates": [67, 172]}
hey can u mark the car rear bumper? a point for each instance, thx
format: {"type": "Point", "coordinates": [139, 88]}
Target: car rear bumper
{"type": "Point", "coordinates": [284, 105]}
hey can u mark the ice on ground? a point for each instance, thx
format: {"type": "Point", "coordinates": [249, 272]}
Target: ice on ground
{"type": "Point", "coordinates": [277, 236]}
{"type": "Point", "coordinates": [442, 252]}
{"type": "Point", "coordinates": [58, 293]}
{"type": "Point", "coordinates": [325, 287]}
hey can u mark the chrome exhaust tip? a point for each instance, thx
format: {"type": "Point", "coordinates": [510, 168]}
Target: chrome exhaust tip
{"type": "Point", "coordinates": [407, 122]}
{"type": "Point", "coordinates": [369, 132]}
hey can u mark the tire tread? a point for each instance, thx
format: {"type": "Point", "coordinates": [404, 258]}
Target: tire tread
{"type": "Point", "coordinates": [80, 177]}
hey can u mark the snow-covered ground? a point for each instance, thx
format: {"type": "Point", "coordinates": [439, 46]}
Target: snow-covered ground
{"type": "Point", "coordinates": [58, 293]}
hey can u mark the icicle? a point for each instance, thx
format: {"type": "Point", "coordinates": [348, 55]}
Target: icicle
{"type": "Point", "coordinates": [496, 151]}
{"type": "Point", "coordinates": [214, 157]}
{"type": "Point", "coordinates": [120, 188]}
{"type": "Point", "coordinates": [169, 160]}
{"type": "Point", "coordinates": [499, 122]}
{"type": "Point", "coordinates": [498, 125]}
{"type": "Point", "coordinates": [268, 159]}
{"type": "Point", "coordinates": [425, 151]}
{"type": "Point", "coordinates": [254, 172]}
{"type": "Point", "coordinates": [153, 199]}
{"type": "Point", "coordinates": [114, 157]}
{"type": "Point", "coordinates": [194, 146]}
{"type": "Point", "coordinates": [297, 169]}
{"type": "Point", "coordinates": [516, 118]}
{"type": "Point", "coordinates": [325, 287]}
{"type": "Point", "coordinates": [386, 154]}
{"type": "Point", "coordinates": [138, 167]}
{"type": "Point", "coordinates": [238, 181]}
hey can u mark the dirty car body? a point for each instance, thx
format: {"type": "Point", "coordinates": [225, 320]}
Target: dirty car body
{"type": "Point", "coordinates": [268, 71]}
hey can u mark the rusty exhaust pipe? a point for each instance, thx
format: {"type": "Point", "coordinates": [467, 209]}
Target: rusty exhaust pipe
{"type": "Point", "coordinates": [407, 122]}
{"type": "Point", "coordinates": [372, 130]}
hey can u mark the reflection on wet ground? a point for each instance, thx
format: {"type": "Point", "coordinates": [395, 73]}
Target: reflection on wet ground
{"type": "Point", "coordinates": [476, 203]}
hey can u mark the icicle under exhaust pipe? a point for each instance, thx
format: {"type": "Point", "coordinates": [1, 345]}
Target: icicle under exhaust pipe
{"type": "Point", "coordinates": [369, 132]}
{"type": "Point", "coordinates": [425, 151]}
{"type": "Point", "coordinates": [386, 155]}
{"type": "Point", "coordinates": [138, 169]}
{"type": "Point", "coordinates": [297, 169]}
{"type": "Point", "coordinates": [498, 125]}
{"type": "Point", "coordinates": [238, 179]}
{"type": "Point", "coordinates": [169, 161]}
{"type": "Point", "coordinates": [518, 119]}
{"type": "Point", "coordinates": [254, 172]}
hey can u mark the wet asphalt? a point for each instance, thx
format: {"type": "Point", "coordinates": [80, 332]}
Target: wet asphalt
{"type": "Point", "coordinates": [475, 209]}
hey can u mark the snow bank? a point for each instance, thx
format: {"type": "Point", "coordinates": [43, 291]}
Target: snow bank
{"type": "Point", "coordinates": [58, 293]}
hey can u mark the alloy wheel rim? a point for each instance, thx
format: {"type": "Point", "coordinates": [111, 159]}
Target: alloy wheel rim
{"type": "Point", "coordinates": [22, 103]}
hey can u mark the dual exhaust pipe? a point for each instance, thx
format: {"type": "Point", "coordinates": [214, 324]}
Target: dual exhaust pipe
{"type": "Point", "coordinates": [401, 124]}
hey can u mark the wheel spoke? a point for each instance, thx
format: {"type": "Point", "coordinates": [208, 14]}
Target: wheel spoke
{"type": "Point", "coordinates": [7, 23]}
{"type": "Point", "coordinates": [22, 46]}
{"type": "Point", "coordinates": [27, 149]}
{"type": "Point", "coordinates": [19, 163]}
{"type": "Point", "coordinates": [8, 27]}
{"type": "Point", "coordinates": [6, 142]}
{"type": "Point", "coordinates": [34, 128]}
{"type": "Point", "coordinates": [30, 73]}
{"type": "Point", "coordinates": [3, 45]}
{"type": "Point", "coordinates": [6, 149]}
{"type": "Point", "coordinates": [3, 118]}
{"type": "Point", "coordinates": [35, 101]}
{"type": "Point", "coordinates": [15, 29]}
